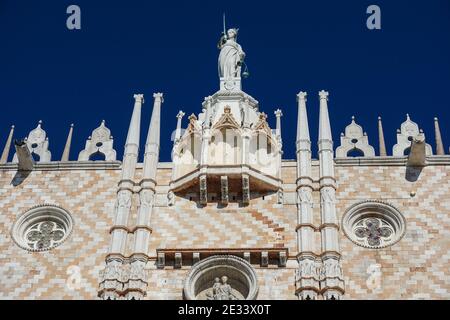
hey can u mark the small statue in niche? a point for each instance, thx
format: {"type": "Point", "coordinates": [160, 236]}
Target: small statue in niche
{"type": "Point", "coordinates": [170, 198]}
{"type": "Point", "coordinates": [221, 290]}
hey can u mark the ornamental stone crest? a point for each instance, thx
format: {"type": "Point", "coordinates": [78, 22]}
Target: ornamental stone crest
{"type": "Point", "coordinates": [354, 139]}
{"type": "Point", "coordinates": [37, 143]}
{"type": "Point", "coordinates": [99, 143]}
{"type": "Point", "coordinates": [408, 132]}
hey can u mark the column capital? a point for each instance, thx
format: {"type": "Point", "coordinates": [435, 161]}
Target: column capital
{"type": "Point", "coordinates": [180, 115]}
{"type": "Point", "coordinates": [323, 94]}
{"type": "Point", "coordinates": [278, 113]}
{"type": "Point", "coordinates": [139, 98]}
{"type": "Point", "coordinates": [159, 96]}
{"type": "Point", "coordinates": [302, 96]}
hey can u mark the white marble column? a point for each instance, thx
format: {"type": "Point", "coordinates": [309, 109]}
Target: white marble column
{"type": "Point", "coordinates": [148, 184]}
{"type": "Point", "coordinates": [278, 115]}
{"type": "Point", "coordinates": [142, 229]}
{"type": "Point", "coordinates": [111, 283]}
{"type": "Point", "coordinates": [332, 284]}
{"type": "Point", "coordinates": [307, 277]}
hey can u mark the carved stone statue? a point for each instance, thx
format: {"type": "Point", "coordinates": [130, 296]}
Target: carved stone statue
{"type": "Point", "coordinates": [231, 56]}
{"type": "Point", "coordinates": [305, 196]}
{"type": "Point", "coordinates": [123, 200]}
{"type": "Point", "coordinates": [221, 290]}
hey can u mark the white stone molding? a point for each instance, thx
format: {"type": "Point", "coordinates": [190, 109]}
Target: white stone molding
{"type": "Point", "coordinates": [354, 138]}
{"type": "Point", "coordinates": [240, 274]}
{"type": "Point", "coordinates": [42, 228]}
{"type": "Point", "coordinates": [37, 143]}
{"type": "Point", "coordinates": [409, 131]}
{"type": "Point", "coordinates": [100, 141]}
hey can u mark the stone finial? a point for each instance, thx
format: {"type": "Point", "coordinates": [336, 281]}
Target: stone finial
{"type": "Point", "coordinates": [158, 96]}
{"type": "Point", "coordinates": [180, 115]}
{"type": "Point", "coordinates": [139, 98]}
{"type": "Point", "coordinates": [323, 94]}
{"type": "Point", "coordinates": [302, 96]}
{"type": "Point", "coordinates": [66, 152]}
{"type": "Point", "coordinates": [382, 144]}
{"type": "Point", "coordinates": [437, 133]}
{"type": "Point", "coordinates": [278, 113]}
{"type": "Point", "coordinates": [6, 150]}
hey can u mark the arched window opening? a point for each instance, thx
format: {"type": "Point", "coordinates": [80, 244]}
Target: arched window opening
{"type": "Point", "coordinates": [355, 153]}
{"type": "Point", "coordinates": [97, 156]}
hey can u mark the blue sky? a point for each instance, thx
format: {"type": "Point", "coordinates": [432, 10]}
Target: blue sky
{"type": "Point", "coordinates": [124, 47]}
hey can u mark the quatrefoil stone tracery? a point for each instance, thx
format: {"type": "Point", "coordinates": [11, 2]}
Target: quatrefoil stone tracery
{"type": "Point", "coordinates": [374, 232]}
{"type": "Point", "coordinates": [44, 235]}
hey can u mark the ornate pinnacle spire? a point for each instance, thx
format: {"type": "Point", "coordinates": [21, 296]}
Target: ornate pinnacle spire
{"type": "Point", "coordinates": [66, 153]}
{"type": "Point", "coordinates": [132, 144]}
{"type": "Point", "coordinates": [439, 145]}
{"type": "Point", "coordinates": [324, 122]}
{"type": "Point", "coordinates": [135, 123]}
{"type": "Point", "coordinates": [5, 154]}
{"type": "Point", "coordinates": [302, 118]}
{"type": "Point", "coordinates": [381, 142]}
{"type": "Point", "coordinates": [278, 114]}
{"type": "Point", "coordinates": [180, 116]}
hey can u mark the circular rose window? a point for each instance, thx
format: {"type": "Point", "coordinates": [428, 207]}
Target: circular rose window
{"type": "Point", "coordinates": [42, 228]}
{"type": "Point", "coordinates": [373, 224]}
